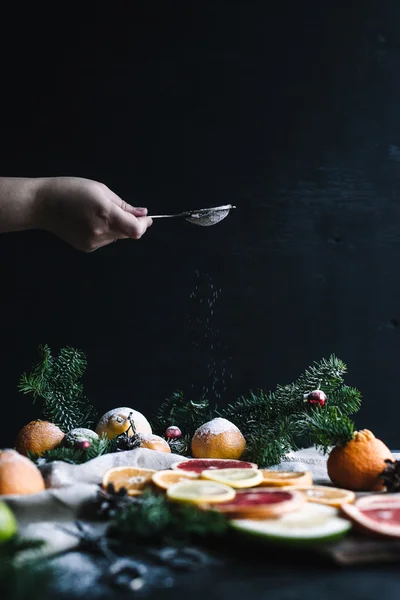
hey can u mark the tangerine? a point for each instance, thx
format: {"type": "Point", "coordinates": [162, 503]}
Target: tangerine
{"type": "Point", "coordinates": [37, 437]}
{"type": "Point", "coordinates": [219, 438]}
{"type": "Point", "coordinates": [154, 442]}
{"type": "Point", "coordinates": [18, 474]}
{"type": "Point", "coordinates": [358, 464]}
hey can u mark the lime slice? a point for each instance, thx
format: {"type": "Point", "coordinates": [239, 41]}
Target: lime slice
{"type": "Point", "coordinates": [200, 491]}
{"type": "Point", "coordinates": [236, 478]}
{"type": "Point", "coordinates": [8, 523]}
{"type": "Point", "coordinates": [313, 523]}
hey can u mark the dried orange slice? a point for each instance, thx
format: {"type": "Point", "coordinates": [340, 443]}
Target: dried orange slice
{"type": "Point", "coordinates": [164, 479]}
{"type": "Point", "coordinates": [322, 494]}
{"type": "Point", "coordinates": [285, 478]}
{"type": "Point", "coordinates": [133, 479]}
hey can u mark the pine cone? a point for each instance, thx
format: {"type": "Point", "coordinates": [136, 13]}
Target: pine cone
{"type": "Point", "coordinates": [391, 475]}
{"type": "Point", "coordinates": [127, 442]}
{"type": "Point", "coordinates": [111, 502]}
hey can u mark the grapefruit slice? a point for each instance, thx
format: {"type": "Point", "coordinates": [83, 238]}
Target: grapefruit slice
{"type": "Point", "coordinates": [260, 503]}
{"type": "Point", "coordinates": [381, 520]}
{"type": "Point", "coordinates": [197, 465]}
{"type": "Point", "coordinates": [236, 478]}
{"type": "Point", "coordinates": [378, 501]}
{"type": "Point", "coordinates": [323, 494]}
{"type": "Point", "coordinates": [163, 479]}
{"type": "Point", "coordinates": [133, 479]}
{"type": "Point", "coordinates": [311, 524]}
{"type": "Point", "coordinates": [200, 491]}
{"type": "Point", "coordinates": [285, 478]}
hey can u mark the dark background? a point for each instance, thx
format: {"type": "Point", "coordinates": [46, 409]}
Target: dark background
{"type": "Point", "coordinates": [289, 111]}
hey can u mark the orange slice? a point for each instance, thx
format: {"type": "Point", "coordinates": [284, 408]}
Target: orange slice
{"type": "Point", "coordinates": [133, 479]}
{"type": "Point", "coordinates": [285, 478]}
{"type": "Point", "coordinates": [164, 479]}
{"type": "Point", "coordinates": [322, 494]}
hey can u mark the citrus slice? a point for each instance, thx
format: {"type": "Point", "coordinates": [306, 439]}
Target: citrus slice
{"type": "Point", "coordinates": [285, 478]}
{"type": "Point", "coordinates": [236, 478]}
{"type": "Point", "coordinates": [322, 494]}
{"type": "Point", "coordinates": [133, 479]}
{"type": "Point", "coordinates": [200, 491]}
{"type": "Point", "coordinates": [260, 503]}
{"type": "Point", "coordinates": [197, 465]}
{"type": "Point", "coordinates": [379, 501]}
{"type": "Point", "coordinates": [311, 524]}
{"type": "Point", "coordinates": [164, 479]}
{"type": "Point", "coordinates": [377, 520]}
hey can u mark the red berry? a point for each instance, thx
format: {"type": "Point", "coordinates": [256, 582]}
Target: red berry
{"type": "Point", "coordinates": [173, 432]}
{"type": "Point", "coordinates": [316, 397]}
{"type": "Point", "coordinates": [84, 445]}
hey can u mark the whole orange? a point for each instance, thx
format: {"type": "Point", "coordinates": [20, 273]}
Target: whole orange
{"type": "Point", "coordinates": [154, 442]}
{"type": "Point", "coordinates": [218, 438]}
{"type": "Point", "coordinates": [18, 474]}
{"type": "Point", "coordinates": [37, 437]}
{"type": "Point", "coordinates": [357, 465]}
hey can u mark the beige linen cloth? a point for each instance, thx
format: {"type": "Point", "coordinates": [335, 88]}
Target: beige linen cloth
{"type": "Point", "coordinates": [69, 487]}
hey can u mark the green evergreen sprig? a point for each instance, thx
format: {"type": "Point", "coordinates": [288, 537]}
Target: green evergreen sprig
{"type": "Point", "coordinates": [22, 579]}
{"type": "Point", "coordinates": [326, 427]}
{"type": "Point", "coordinates": [276, 423]}
{"type": "Point", "coordinates": [55, 381]}
{"type": "Point", "coordinates": [75, 456]}
{"type": "Point", "coordinates": [186, 414]}
{"type": "Point", "coordinates": [152, 518]}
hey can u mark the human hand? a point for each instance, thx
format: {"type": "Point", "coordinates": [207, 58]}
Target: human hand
{"type": "Point", "coordinates": [87, 214]}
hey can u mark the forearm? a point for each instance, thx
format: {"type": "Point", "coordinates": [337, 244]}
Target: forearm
{"type": "Point", "coordinates": [19, 203]}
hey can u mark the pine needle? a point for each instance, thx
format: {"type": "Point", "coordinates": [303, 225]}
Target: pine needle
{"type": "Point", "coordinates": [153, 518]}
{"type": "Point", "coordinates": [55, 381]}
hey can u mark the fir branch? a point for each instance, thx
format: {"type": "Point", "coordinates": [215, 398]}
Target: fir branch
{"type": "Point", "coordinates": [56, 382]}
{"type": "Point", "coordinates": [26, 578]}
{"type": "Point", "coordinates": [185, 414]}
{"type": "Point", "coordinates": [152, 518]}
{"type": "Point", "coordinates": [326, 427]}
{"type": "Point", "coordinates": [346, 399]}
{"type": "Point", "coordinates": [75, 456]}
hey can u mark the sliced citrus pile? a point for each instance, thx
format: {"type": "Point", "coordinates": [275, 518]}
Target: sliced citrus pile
{"type": "Point", "coordinates": [260, 503]}
{"type": "Point", "coordinates": [285, 478]}
{"type": "Point", "coordinates": [197, 465]}
{"type": "Point", "coordinates": [322, 494]}
{"type": "Point", "coordinates": [200, 491]}
{"type": "Point", "coordinates": [133, 479]}
{"type": "Point", "coordinates": [236, 478]}
{"type": "Point", "coordinates": [309, 525]}
{"type": "Point", "coordinates": [164, 479]}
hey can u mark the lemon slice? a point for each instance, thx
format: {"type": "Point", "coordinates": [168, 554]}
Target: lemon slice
{"type": "Point", "coordinates": [236, 478]}
{"type": "Point", "coordinates": [200, 491]}
{"type": "Point", "coordinates": [326, 495]}
{"type": "Point", "coordinates": [286, 478]}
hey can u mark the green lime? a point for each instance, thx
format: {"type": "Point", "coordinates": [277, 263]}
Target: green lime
{"type": "Point", "coordinates": [313, 523]}
{"type": "Point", "coordinates": [8, 523]}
